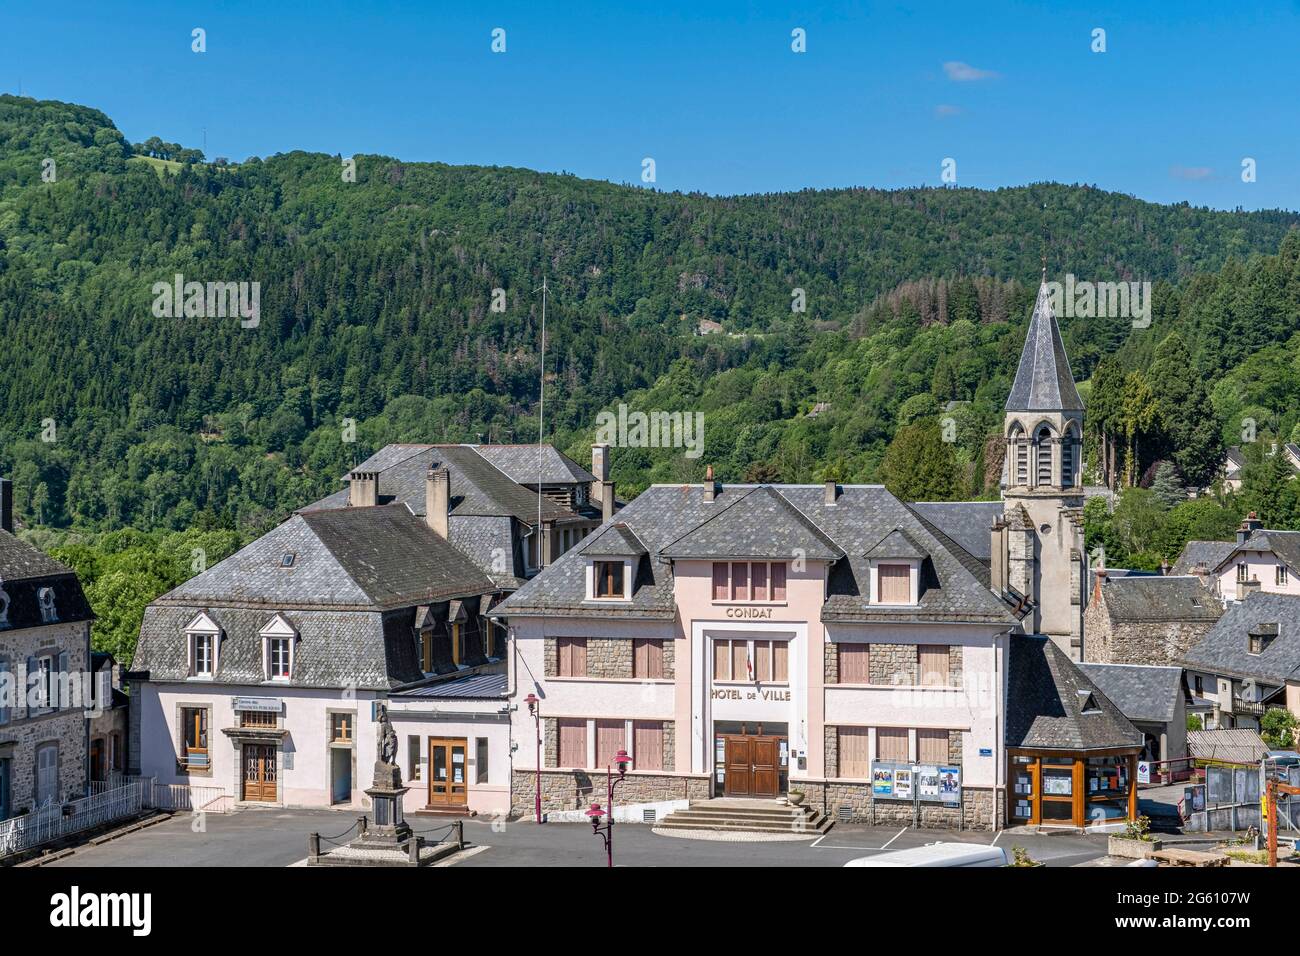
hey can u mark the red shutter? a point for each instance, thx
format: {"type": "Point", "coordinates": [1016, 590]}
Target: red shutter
{"type": "Point", "coordinates": [739, 581]}
{"type": "Point", "coordinates": [758, 571]}
{"type": "Point", "coordinates": [720, 580]}
{"type": "Point", "coordinates": [778, 581]}
{"type": "Point", "coordinates": [648, 745]}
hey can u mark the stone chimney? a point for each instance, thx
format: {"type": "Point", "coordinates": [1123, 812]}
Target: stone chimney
{"type": "Point", "coordinates": [7, 505]}
{"type": "Point", "coordinates": [998, 558]}
{"type": "Point", "coordinates": [437, 500]}
{"type": "Point", "coordinates": [1098, 579]}
{"type": "Point", "coordinates": [1249, 526]}
{"type": "Point", "coordinates": [710, 486]}
{"type": "Point", "coordinates": [363, 489]}
{"type": "Point", "coordinates": [830, 492]}
{"type": "Point", "coordinates": [602, 489]}
{"type": "Point", "coordinates": [1246, 588]}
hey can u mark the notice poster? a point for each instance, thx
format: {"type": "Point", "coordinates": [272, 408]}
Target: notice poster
{"type": "Point", "coordinates": [882, 781]}
{"type": "Point", "coordinates": [950, 784]}
{"type": "Point", "coordinates": [927, 783]}
{"type": "Point", "coordinates": [903, 784]}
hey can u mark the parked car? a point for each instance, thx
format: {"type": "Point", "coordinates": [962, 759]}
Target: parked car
{"type": "Point", "coordinates": [938, 854]}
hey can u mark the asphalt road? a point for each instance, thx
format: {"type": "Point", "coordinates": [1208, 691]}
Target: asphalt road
{"type": "Point", "coordinates": [279, 838]}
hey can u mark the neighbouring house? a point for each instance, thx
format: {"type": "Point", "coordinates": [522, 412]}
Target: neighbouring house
{"type": "Point", "coordinates": [1259, 560]}
{"type": "Point", "coordinates": [109, 715]}
{"type": "Point", "coordinates": [45, 668]}
{"type": "Point", "coordinates": [1155, 699]}
{"type": "Point", "coordinates": [262, 677]}
{"type": "Point", "coordinates": [1146, 619]}
{"type": "Point", "coordinates": [1249, 661]}
{"type": "Point", "coordinates": [1072, 754]}
{"type": "Point", "coordinates": [1234, 462]}
{"type": "Point", "coordinates": [708, 327]}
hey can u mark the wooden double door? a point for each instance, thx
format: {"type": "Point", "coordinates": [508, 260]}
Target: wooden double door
{"type": "Point", "coordinates": [753, 765]}
{"type": "Point", "coordinates": [259, 773]}
{"type": "Point", "coordinates": [448, 772]}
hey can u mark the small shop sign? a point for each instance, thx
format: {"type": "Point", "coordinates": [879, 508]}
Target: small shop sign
{"type": "Point", "coordinates": [261, 705]}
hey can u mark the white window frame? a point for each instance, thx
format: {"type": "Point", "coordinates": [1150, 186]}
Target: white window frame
{"type": "Point", "coordinates": [202, 626]}
{"type": "Point", "coordinates": [627, 580]}
{"type": "Point", "coordinates": [277, 629]}
{"type": "Point", "coordinates": [914, 580]}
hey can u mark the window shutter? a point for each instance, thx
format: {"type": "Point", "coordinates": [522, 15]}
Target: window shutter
{"type": "Point", "coordinates": [932, 746]}
{"type": "Point", "coordinates": [780, 661]}
{"type": "Point", "coordinates": [740, 581]}
{"type": "Point", "coordinates": [895, 584]}
{"type": "Point", "coordinates": [933, 659]}
{"type": "Point", "coordinates": [719, 580]}
{"type": "Point", "coordinates": [648, 745]}
{"type": "Point", "coordinates": [189, 654]}
{"type": "Point", "coordinates": [778, 581]}
{"type": "Point", "coordinates": [892, 744]}
{"type": "Point", "coordinates": [60, 682]}
{"type": "Point", "coordinates": [855, 663]}
{"type": "Point", "coordinates": [29, 679]}
{"type": "Point", "coordinates": [854, 753]}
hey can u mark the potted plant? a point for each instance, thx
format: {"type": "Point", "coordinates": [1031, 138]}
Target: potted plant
{"type": "Point", "coordinates": [795, 797]}
{"type": "Point", "coordinates": [1136, 842]}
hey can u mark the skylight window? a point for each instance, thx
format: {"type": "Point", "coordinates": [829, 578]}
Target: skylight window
{"type": "Point", "coordinates": [287, 560]}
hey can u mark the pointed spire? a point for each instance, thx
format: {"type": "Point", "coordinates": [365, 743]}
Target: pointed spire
{"type": "Point", "coordinates": [1043, 379]}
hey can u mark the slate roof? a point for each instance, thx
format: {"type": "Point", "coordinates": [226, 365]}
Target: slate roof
{"type": "Point", "coordinates": [1043, 379]}
{"type": "Point", "coordinates": [613, 540]}
{"type": "Point", "coordinates": [1210, 553]}
{"type": "Point", "coordinates": [520, 463]}
{"type": "Point", "coordinates": [382, 557]}
{"type": "Point", "coordinates": [1155, 599]}
{"type": "Point", "coordinates": [1045, 706]}
{"type": "Point", "coordinates": [24, 571]}
{"type": "Point", "coordinates": [1140, 691]}
{"type": "Point", "coordinates": [1225, 649]}
{"type": "Point", "coordinates": [896, 544]}
{"type": "Point", "coordinates": [472, 687]}
{"type": "Point", "coordinates": [663, 515]}
{"type": "Point", "coordinates": [478, 488]}
{"type": "Point", "coordinates": [758, 523]}
{"type": "Point", "coordinates": [969, 523]}
{"type": "Point", "coordinates": [1284, 544]}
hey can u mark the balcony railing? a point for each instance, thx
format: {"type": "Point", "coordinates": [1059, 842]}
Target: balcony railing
{"type": "Point", "coordinates": [1250, 708]}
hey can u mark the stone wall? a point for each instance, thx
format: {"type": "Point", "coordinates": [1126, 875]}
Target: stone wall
{"type": "Point", "coordinates": [832, 664]}
{"type": "Point", "coordinates": [954, 746]}
{"type": "Point", "coordinates": [578, 789]}
{"type": "Point", "coordinates": [608, 658]}
{"type": "Point", "coordinates": [1157, 643]}
{"type": "Point", "coordinates": [955, 667]}
{"type": "Point", "coordinates": [65, 728]}
{"type": "Point", "coordinates": [980, 810]}
{"type": "Point", "coordinates": [832, 751]}
{"type": "Point", "coordinates": [894, 664]}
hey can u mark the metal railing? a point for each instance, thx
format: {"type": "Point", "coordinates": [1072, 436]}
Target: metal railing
{"type": "Point", "coordinates": [53, 821]}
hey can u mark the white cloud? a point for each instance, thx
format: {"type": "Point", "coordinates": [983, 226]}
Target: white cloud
{"type": "Point", "coordinates": [1190, 172]}
{"type": "Point", "coordinates": [965, 73]}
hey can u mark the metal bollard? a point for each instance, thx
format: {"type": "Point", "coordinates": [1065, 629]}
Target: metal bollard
{"type": "Point", "coordinates": [460, 834]}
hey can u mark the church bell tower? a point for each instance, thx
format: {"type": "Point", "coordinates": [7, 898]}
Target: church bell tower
{"type": "Point", "coordinates": [1043, 483]}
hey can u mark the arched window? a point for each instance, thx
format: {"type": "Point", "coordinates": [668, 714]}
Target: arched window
{"type": "Point", "coordinates": [1043, 441]}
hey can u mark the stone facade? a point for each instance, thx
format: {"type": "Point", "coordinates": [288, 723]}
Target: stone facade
{"type": "Point", "coordinates": [980, 810]}
{"type": "Point", "coordinates": [609, 658]}
{"type": "Point", "coordinates": [895, 664]}
{"type": "Point", "coordinates": [955, 666]}
{"type": "Point", "coordinates": [578, 789]}
{"type": "Point", "coordinates": [65, 728]}
{"type": "Point", "coordinates": [832, 665]}
{"type": "Point", "coordinates": [832, 751]}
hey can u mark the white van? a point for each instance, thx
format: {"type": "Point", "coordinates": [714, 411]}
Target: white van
{"type": "Point", "coordinates": [938, 854]}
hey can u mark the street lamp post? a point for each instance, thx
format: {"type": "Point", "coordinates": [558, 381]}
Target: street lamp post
{"type": "Point", "coordinates": [606, 832]}
{"type": "Point", "coordinates": [535, 709]}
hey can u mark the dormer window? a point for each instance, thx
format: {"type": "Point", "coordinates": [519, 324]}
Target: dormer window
{"type": "Point", "coordinates": [1280, 575]}
{"type": "Point", "coordinates": [203, 638]}
{"type": "Point", "coordinates": [278, 640]}
{"type": "Point", "coordinates": [1088, 703]}
{"type": "Point", "coordinates": [608, 579]}
{"type": "Point", "coordinates": [895, 583]}
{"type": "Point", "coordinates": [45, 598]}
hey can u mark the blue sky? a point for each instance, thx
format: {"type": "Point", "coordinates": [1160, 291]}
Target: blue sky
{"type": "Point", "coordinates": [713, 93]}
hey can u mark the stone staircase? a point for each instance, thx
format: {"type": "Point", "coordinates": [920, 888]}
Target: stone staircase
{"type": "Point", "coordinates": [729, 814]}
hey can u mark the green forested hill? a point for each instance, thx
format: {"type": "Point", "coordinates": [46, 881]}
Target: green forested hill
{"type": "Point", "coordinates": [375, 307]}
